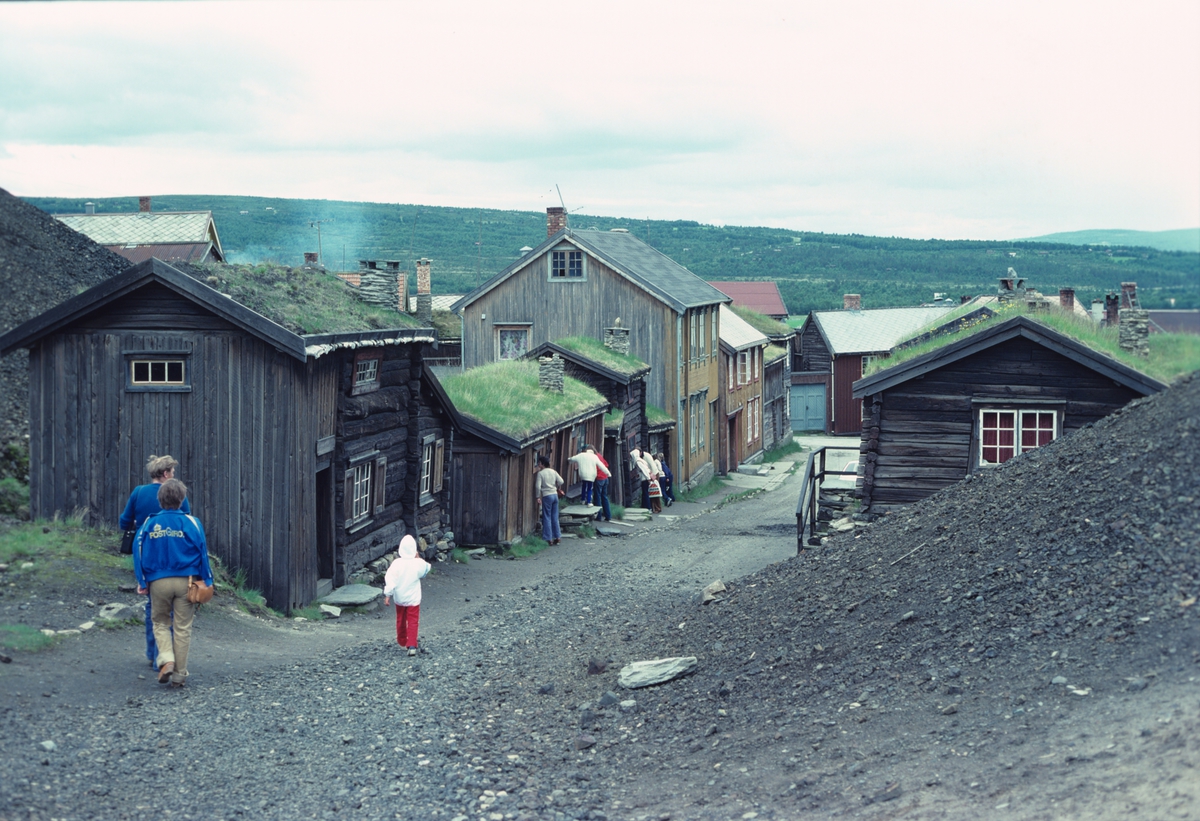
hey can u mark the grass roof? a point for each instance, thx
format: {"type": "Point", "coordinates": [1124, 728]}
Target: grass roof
{"type": "Point", "coordinates": [1171, 355]}
{"type": "Point", "coordinates": [657, 416]}
{"type": "Point", "coordinates": [595, 350]}
{"type": "Point", "coordinates": [303, 300]}
{"type": "Point", "coordinates": [761, 322]}
{"type": "Point", "coordinates": [614, 419]}
{"type": "Point", "coordinates": [506, 396]}
{"type": "Point", "coordinates": [774, 353]}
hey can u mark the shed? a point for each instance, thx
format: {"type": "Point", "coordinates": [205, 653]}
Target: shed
{"type": "Point", "coordinates": [979, 401]}
{"type": "Point", "coordinates": [172, 236]}
{"type": "Point", "coordinates": [305, 456]}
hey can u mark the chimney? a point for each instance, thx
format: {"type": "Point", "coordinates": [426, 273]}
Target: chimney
{"type": "Point", "coordinates": [616, 338]}
{"type": "Point", "coordinates": [310, 258]}
{"type": "Point", "coordinates": [1128, 295]}
{"type": "Point", "coordinates": [1111, 304]}
{"type": "Point", "coordinates": [1066, 299]}
{"type": "Point", "coordinates": [89, 208]}
{"type": "Point", "coordinates": [852, 302]}
{"type": "Point", "coordinates": [1134, 331]}
{"type": "Point", "coordinates": [424, 296]}
{"type": "Point", "coordinates": [144, 205]}
{"type": "Point", "coordinates": [556, 220]}
{"type": "Point", "coordinates": [550, 373]}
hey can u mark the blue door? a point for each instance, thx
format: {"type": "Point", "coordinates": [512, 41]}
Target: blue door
{"type": "Point", "coordinates": [808, 407]}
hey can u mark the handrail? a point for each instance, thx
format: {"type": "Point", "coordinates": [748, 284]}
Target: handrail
{"type": "Point", "coordinates": [810, 493]}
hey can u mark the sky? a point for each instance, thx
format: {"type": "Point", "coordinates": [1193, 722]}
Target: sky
{"type": "Point", "coordinates": [955, 120]}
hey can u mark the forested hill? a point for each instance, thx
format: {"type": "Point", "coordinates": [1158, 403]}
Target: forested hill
{"type": "Point", "coordinates": [813, 270]}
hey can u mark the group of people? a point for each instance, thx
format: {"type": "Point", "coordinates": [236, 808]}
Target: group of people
{"type": "Point", "coordinates": [656, 478]}
{"type": "Point", "coordinates": [594, 474]}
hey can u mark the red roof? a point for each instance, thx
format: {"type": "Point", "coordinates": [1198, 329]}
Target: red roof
{"type": "Point", "coordinates": [762, 297]}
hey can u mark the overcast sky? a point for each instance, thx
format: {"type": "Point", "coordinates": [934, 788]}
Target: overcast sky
{"type": "Point", "coordinates": [988, 120]}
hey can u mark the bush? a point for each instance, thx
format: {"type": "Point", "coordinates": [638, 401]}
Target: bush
{"type": "Point", "coordinates": [14, 498]}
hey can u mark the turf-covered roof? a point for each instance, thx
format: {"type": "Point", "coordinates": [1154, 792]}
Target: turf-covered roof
{"type": "Point", "coordinates": [592, 353]}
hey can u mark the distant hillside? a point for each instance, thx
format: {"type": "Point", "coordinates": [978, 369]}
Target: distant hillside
{"type": "Point", "coordinates": [1183, 239]}
{"type": "Point", "coordinates": [813, 270]}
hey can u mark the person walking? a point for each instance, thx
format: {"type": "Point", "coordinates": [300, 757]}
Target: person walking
{"type": "Point", "coordinates": [170, 549]}
{"type": "Point", "coordinates": [549, 487]}
{"type": "Point", "coordinates": [402, 587]}
{"type": "Point", "coordinates": [641, 471]}
{"type": "Point", "coordinates": [667, 480]}
{"type": "Point", "coordinates": [588, 466]}
{"type": "Point", "coordinates": [603, 474]}
{"type": "Point", "coordinates": [143, 502]}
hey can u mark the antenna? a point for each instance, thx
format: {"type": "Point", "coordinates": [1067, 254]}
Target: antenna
{"type": "Point", "coordinates": [566, 214]}
{"type": "Point", "coordinates": [317, 224]}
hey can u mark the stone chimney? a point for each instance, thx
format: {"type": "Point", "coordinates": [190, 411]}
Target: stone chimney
{"type": "Point", "coordinates": [550, 373]}
{"type": "Point", "coordinates": [852, 302]}
{"type": "Point", "coordinates": [616, 338]}
{"type": "Point", "coordinates": [144, 205]}
{"type": "Point", "coordinates": [310, 258]}
{"type": "Point", "coordinates": [1112, 303]}
{"type": "Point", "coordinates": [424, 293]}
{"type": "Point", "coordinates": [556, 220]}
{"type": "Point", "coordinates": [401, 279]}
{"type": "Point", "coordinates": [1134, 332]}
{"type": "Point", "coordinates": [1066, 299]}
{"type": "Point", "coordinates": [89, 208]}
{"type": "Point", "coordinates": [1128, 295]}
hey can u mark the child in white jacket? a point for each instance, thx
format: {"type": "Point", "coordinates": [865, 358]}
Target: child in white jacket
{"type": "Point", "coordinates": [402, 586]}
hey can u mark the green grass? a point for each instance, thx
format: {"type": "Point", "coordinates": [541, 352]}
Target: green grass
{"type": "Point", "coordinates": [618, 511]}
{"type": "Point", "coordinates": [657, 416]}
{"type": "Point", "coordinates": [1171, 355]}
{"type": "Point", "coordinates": [313, 613]}
{"type": "Point", "coordinates": [761, 322]}
{"type": "Point", "coordinates": [777, 454]}
{"type": "Point", "coordinates": [459, 555]}
{"type": "Point", "coordinates": [586, 532]}
{"type": "Point", "coordinates": [529, 546]}
{"type": "Point", "coordinates": [774, 353]}
{"type": "Point", "coordinates": [594, 350]}
{"type": "Point", "coordinates": [14, 498]}
{"type": "Point", "coordinates": [506, 396]}
{"type": "Point", "coordinates": [24, 639]}
{"type": "Point", "coordinates": [713, 485]}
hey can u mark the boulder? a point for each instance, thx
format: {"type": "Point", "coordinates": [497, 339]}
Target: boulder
{"type": "Point", "coordinates": [331, 611]}
{"type": "Point", "coordinates": [655, 671]}
{"type": "Point", "coordinates": [353, 595]}
{"type": "Point", "coordinates": [709, 593]}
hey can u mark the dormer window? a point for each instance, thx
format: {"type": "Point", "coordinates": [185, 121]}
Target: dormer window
{"type": "Point", "coordinates": [566, 264]}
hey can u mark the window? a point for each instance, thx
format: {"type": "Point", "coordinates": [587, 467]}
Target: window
{"type": "Point", "coordinates": [512, 342]}
{"type": "Point", "coordinates": [566, 264]}
{"type": "Point", "coordinates": [743, 367]}
{"type": "Point", "coordinates": [729, 370]}
{"type": "Point", "coordinates": [703, 332]}
{"type": "Point", "coordinates": [692, 425]}
{"type": "Point", "coordinates": [753, 417]}
{"type": "Point", "coordinates": [756, 356]}
{"type": "Point", "coordinates": [155, 372]}
{"type": "Point", "coordinates": [696, 421]}
{"type": "Point", "coordinates": [715, 333]}
{"type": "Point", "coordinates": [1005, 433]}
{"type": "Point", "coordinates": [432, 455]}
{"type": "Point", "coordinates": [366, 372]}
{"type": "Point", "coordinates": [364, 488]}
{"type": "Point", "coordinates": [694, 327]}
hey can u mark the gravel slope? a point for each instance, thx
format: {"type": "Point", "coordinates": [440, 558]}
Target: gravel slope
{"type": "Point", "coordinates": [1023, 645]}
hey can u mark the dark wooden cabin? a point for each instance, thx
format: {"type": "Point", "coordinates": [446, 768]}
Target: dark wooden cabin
{"type": "Point", "coordinates": [777, 427]}
{"type": "Point", "coordinates": [621, 379]}
{"type": "Point", "coordinates": [579, 282]}
{"type": "Point", "coordinates": [978, 402]}
{"type": "Point", "coordinates": [305, 456]}
{"type": "Point", "coordinates": [493, 498]}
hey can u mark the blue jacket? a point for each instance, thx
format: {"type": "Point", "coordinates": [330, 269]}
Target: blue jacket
{"type": "Point", "coordinates": [170, 543]}
{"type": "Point", "coordinates": [142, 502]}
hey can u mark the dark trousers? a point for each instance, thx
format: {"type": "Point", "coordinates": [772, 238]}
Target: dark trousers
{"type": "Point", "coordinates": [602, 499]}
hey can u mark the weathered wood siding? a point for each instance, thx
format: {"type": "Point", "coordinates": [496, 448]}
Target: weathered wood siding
{"type": "Point", "coordinates": [777, 426]}
{"type": "Point", "coordinates": [846, 411]}
{"type": "Point", "coordinates": [921, 435]}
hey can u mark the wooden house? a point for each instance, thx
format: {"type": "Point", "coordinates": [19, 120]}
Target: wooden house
{"type": "Point", "coordinates": [742, 349]}
{"type": "Point", "coordinates": [621, 379]}
{"type": "Point", "coordinates": [979, 401]}
{"type": "Point", "coordinates": [777, 426]}
{"type": "Point", "coordinates": [496, 443]}
{"type": "Point", "coordinates": [305, 456]}
{"type": "Point", "coordinates": [834, 346]}
{"type": "Point", "coordinates": [577, 283]}
{"type": "Point", "coordinates": [171, 236]}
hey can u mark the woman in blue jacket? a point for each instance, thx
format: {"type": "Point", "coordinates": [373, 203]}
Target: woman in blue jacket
{"type": "Point", "coordinates": [169, 549]}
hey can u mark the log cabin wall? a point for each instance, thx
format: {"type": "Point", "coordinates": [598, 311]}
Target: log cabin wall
{"type": "Point", "coordinates": [777, 426]}
{"type": "Point", "coordinates": [921, 435]}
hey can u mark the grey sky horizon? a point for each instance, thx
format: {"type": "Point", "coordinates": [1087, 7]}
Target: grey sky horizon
{"type": "Point", "coordinates": [925, 119]}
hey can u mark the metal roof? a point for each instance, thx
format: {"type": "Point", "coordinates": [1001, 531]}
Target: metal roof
{"type": "Point", "coordinates": [653, 271]}
{"type": "Point", "coordinates": [763, 297]}
{"type": "Point", "coordinates": [875, 330]}
{"type": "Point", "coordinates": [737, 333]}
{"type": "Point", "coordinates": [146, 228]}
{"type": "Point", "coordinates": [167, 252]}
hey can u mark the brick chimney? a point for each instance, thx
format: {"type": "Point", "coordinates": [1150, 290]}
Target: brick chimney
{"type": "Point", "coordinates": [310, 258]}
{"type": "Point", "coordinates": [424, 293]}
{"type": "Point", "coordinates": [550, 373]}
{"type": "Point", "coordinates": [1066, 299]}
{"type": "Point", "coordinates": [616, 338]}
{"type": "Point", "coordinates": [144, 205]}
{"type": "Point", "coordinates": [852, 302]}
{"type": "Point", "coordinates": [1112, 303]}
{"type": "Point", "coordinates": [556, 220]}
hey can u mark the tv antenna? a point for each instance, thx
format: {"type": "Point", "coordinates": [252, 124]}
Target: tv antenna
{"type": "Point", "coordinates": [317, 224]}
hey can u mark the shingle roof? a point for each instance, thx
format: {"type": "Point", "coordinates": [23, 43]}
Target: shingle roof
{"type": "Point", "coordinates": [146, 228]}
{"type": "Point", "coordinates": [652, 270]}
{"type": "Point", "coordinates": [763, 297]}
{"type": "Point", "coordinates": [875, 330]}
{"type": "Point", "coordinates": [737, 333]}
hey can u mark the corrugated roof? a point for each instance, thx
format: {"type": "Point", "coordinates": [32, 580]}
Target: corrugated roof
{"type": "Point", "coordinates": [147, 228]}
{"type": "Point", "coordinates": [763, 297]}
{"type": "Point", "coordinates": [875, 330]}
{"type": "Point", "coordinates": [737, 333]}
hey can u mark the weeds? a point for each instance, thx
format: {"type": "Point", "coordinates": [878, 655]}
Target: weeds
{"type": "Point", "coordinates": [777, 454]}
{"type": "Point", "coordinates": [713, 485]}
{"type": "Point", "coordinates": [313, 613]}
{"type": "Point", "coordinates": [459, 555]}
{"type": "Point", "coordinates": [529, 546]}
{"type": "Point", "coordinates": [24, 639]}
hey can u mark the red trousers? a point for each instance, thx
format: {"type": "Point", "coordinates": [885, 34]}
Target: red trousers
{"type": "Point", "coordinates": [407, 616]}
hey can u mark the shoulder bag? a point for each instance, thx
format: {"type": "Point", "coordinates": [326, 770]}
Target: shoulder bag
{"type": "Point", "coordinates": [198, 591]}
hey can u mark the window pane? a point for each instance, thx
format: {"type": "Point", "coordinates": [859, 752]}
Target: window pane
{"type": "Point", "coordinates": [175, 372]}
{"type": "Point", "coordinates": [514, 344]}
{"type": "Point", "coordinates": [141, 371]}
{"type": "Point", "coordinates": [158, 371]}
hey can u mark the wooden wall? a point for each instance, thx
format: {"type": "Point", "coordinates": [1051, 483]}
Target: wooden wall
{"type": "Point", "coordinates": [920, 435]}
{"type": "Point", "coordinates": [846, 411]}
{"type": "Point", "coordinates": [777, 426]}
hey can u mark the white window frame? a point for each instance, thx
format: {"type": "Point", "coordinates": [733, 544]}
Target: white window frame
{"type": "Point", "coordinates": [743, 368]}
{"type": "Point", "coordinates": [1019, 445]}
{"type": "Point", "coordinates": [156, 372]}
{"type": "Point", "coordinates": [360, 504]}
{"type": "Point", "coordinates": [366, 372]}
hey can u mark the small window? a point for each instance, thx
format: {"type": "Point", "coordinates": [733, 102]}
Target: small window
{"type": "Point", "coordinates": [513, 343]}
{"type": "Point", "coordinates": [743, 367]}
{"type": "Point", "coordinates": [366, 372]}
{"type": "Point", "coordinates": [365, 489]}
{"type": "Point", "coordinates": [1005, 433]}
{"type": "Point", "coordinates": [566, 264]}
{"type": "Point", "coordinates": [361, 496]}
{"type": "Point", "coordinates": [432, 455]}
{"type": "Point", "coordinates": [157, 373]}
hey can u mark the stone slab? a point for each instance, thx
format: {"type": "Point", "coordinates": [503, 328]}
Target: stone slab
{"type": "Point", "coordinates": [353, 595]}
{"type": "Point", "coordinates": [655, 671]}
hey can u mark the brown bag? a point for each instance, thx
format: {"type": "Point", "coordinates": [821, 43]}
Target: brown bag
{"type": "Point", "coordinates": [198, 591]}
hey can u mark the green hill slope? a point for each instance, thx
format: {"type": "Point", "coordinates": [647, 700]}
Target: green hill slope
{"type": "Point", "coordinates": [813, 270]}
{"type": "Point", "coordinates": [1182, 239]}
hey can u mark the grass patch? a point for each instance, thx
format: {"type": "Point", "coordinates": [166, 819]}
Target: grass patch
{"type": "Point", "coordinates": [313, 613]}
{"type": "Point", "coordinates": [586, 532]}
{"type": "Point", "coordinates": [63, 554]}
{"type": "Point", "coordinates": [778, 454]}
{"type": "Point", "coordinates": [459, 555]}
{"type": "Point", "coordinates": [528, 546]}
{"type": "Point", "coordinates": [656, 416]}
{"type": "Point", "coordinates": [24, 639]}
{"type": "Point", "coordinates": [247, 598]}
{"type": "Point", "coordinates": [761, 322]}
{"type": "Point", "coordinates": [713, 485]}
{"type": "Point", "coordinates": [594, 350]}
{"type": "Point", "coordinates": [505, 396]}
{"type": "Point", "coordinates": [618, 511]}
{"type": "Point", "coordinates": [14, 498]}
{"type": "Point", "coordinates": [740, 496]}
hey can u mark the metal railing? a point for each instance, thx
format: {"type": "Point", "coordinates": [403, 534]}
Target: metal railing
{"type": "Point", "coordinates": [808, 508]}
